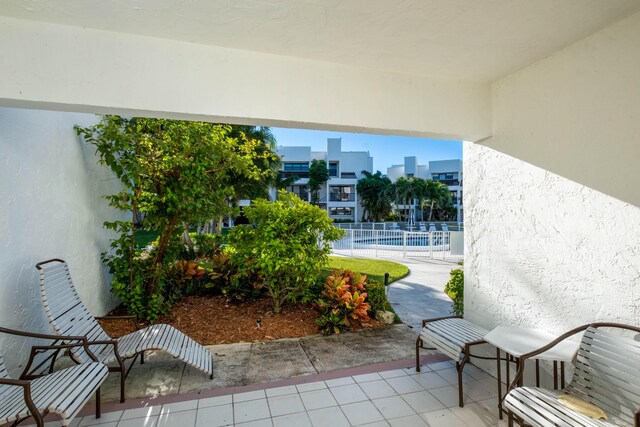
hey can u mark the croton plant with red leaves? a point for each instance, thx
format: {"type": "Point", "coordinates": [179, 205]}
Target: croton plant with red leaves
{"type": "Point", "coordinates": [343, 303]}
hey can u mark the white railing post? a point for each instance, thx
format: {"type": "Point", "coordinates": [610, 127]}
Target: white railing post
{"type": "Point", "coordinates": [377, 241]}
{"type": "Point", "coordinates": [404, 244]}
{"type": "Point", "coordinates": [351, 241]}
{"type": "Point", "coordinates": [431, 242]}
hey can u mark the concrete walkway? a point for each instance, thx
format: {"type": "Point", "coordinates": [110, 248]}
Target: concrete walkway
{"type": "Point", "coordinates": [421, 295]}
{"type": "Point", "coordinates": [243, 364]}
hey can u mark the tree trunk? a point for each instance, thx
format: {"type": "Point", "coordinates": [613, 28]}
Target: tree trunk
{"type": "Point", "coordinates": [431, 210]}
{"type": "Point", "coordinates": [186, 239]}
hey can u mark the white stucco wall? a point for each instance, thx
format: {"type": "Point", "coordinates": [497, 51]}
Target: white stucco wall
{"type": "Point", "coordinates": [577, 113]}
{"type": "Point", "coordinates": [45, 66]}
{"type": "Point", "coordinates": [543, 251]}
{"type": "Point", "coordinates": [552, 215]}
{"type": "Point", "coordinates": [51, 207]}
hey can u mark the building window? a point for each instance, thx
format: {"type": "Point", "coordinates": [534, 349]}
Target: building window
{"type": "Point", "coordinates": [296, 167]}
{"type": "Point", "coordinates": [409, 175]}
{"type": "Point", "coordinates": [340, 211]}
{"type": "Point", "coordinates": [333, 168]}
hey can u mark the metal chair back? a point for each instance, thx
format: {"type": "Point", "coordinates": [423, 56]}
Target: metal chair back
{"type": "Point", "coordinates": [607, 373]}
{"type": "Point", "coordinates": [66, 312]}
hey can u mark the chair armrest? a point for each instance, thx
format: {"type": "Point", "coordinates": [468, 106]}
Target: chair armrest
{"type": "Point", "coordinates": [435, 319]}
{"type": "Point", "coordinates": [37, 349]}
{"type": "Point", "coordinates": [11, 381]}
{"type": "Point", "coordinates": [39, 335]}
{"type": "Point", "coordinates": [540, 350]}
{"type": "Point", "coordinates": [134, 318]}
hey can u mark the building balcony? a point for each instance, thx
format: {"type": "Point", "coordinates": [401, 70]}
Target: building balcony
{"type": "Point", "coordinates": [342, 197]}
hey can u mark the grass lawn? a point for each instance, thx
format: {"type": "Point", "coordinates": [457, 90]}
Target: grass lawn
{"type": "Point", "coordinates": [373, 268]}
{"type": "Point", "coordinates": [144, 237]}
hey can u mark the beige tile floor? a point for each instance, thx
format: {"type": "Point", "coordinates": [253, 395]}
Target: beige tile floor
{"type": "Point", "coordinates": [398, 398]}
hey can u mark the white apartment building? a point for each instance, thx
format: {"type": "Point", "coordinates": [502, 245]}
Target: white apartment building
{"type": "Point", "coordinates": [339, 195]}
{"type": "Point", "coordinates": [448, 172]}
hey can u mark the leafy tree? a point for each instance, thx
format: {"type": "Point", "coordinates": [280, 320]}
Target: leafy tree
{"type": "Point", "coordinates": [405, 191]}
{"type": "Point", "coordinates": [374, 194]}
{"type": "Point", "coordinates": [318, 176]}
{"type": "Point", "coordinates": [174, 172]}
{"type": "Point", "coordinates": [287, 246]}
{"type": "Point", "coordinates": [437, 196]}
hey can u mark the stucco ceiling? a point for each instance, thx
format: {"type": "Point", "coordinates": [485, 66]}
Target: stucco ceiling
{"type": "Point", "coordinates": [461, 39]}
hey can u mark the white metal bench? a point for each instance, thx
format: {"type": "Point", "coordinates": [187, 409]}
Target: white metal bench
{"type": "Point", "coordinates": [452, 336]}
{"type": "Point", "coordinates": [69, 316]}
{"type": "Point", "coordinates": [607, 374]}
{"type": "Point", "coordinates": [63, 392]}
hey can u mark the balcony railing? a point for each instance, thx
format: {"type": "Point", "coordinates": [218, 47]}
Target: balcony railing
{"type": "Point", "coordinates": [342, 197]}
{"type": "Point", "coordinates": [348, 175]}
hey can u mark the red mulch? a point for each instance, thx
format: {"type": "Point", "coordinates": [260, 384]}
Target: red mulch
{"type": "Point", "coordinates": [212, 320]}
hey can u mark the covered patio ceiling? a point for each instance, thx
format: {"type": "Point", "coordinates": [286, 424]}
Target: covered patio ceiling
{"type": "Point", "coordinates": [457, 39]}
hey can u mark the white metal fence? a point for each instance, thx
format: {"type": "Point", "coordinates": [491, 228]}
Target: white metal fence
{"type": "Point", "coordinates": [398, 243]}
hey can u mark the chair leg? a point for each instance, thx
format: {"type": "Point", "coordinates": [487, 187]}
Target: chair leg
{"type": "Point", "coordinates": [509, 419]}
{"type": "Point", "coordinates": [122, 378]}
{"type": "Point", "coordinates": [460, 395]}
{"type": "Point", "coordinates": [212, 361]}
{"type": "Point", "coordinates": [418, 342]}
{"type": "Point", "coordinates": [98, 409]}
{"type": "Point", "coordinates": [142, 358]}
{"type": "Point", "coordinates": [459, 368]}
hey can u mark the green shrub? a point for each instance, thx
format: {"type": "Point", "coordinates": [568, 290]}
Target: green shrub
{"type": "Point", "coordinates": [226, 277]}
{"type": "Point", "coordinates": [343, 302]}
{"type": "Point", "coordinates": [377, 297]}
{"type": "Point", "coordinates": [286, 247]}
{"type": "Point", "coordinates": [455, 289]}
{"type": "Point", "coordinates": [207, 245]}
{"type": "Point", "coordinates": [139, 284]}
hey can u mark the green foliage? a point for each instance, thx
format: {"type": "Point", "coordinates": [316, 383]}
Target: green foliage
{"type": "Point", "coordinates": [207, 245]}
{"type": "Point", "coordinates": [377, 297]}
{"type": "Point", "coordinates": [374, 194]}
{"type": "Point", "coordinates": [318, 175]}
{"type": "Point", "coordinates": [429, 193]}
{"type": "Point", "coordinates": [342, 304]}
{"type": "Point", "coordinates": [173, 172]}
{"type": "Point", "coordinates": [285, 248]}
{"type": "Point", "coordinates": [133, 274]}
{"type": "Point", "coordinates": [455, 289]}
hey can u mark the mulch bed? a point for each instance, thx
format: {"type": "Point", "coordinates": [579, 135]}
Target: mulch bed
{"type": "Point", "coordinates": [212, 320]}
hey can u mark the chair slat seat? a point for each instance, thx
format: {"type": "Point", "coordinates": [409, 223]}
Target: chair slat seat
{"type": "Point", "coordinates": [450, 336]}
{"type": "Point", "coordinates": [68, 316]}
{"type": "Point", "coordinates": [63, 392]}
{"type": "Point", "coordinates": [540, 407]}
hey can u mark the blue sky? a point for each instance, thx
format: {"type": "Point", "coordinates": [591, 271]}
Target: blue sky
{"type": "Point", "coordinates": [385, 150]}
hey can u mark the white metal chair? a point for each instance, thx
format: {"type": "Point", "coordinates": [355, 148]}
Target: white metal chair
{"type": "Point", "coordinates": [39, 392]}
{"type": "Point", "coordinates": [69, 316]}
{"type": "Point", "coordinates": [607, 374]}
